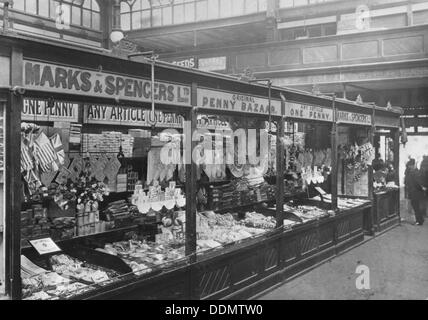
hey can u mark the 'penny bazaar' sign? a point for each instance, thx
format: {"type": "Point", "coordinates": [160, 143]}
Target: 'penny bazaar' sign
{"type": "Point", "coordinates": [307, 112]}
{"type": "Point", "coordinates": [237, 102]}
{"type": "Point", "coordinates": [56, 78]}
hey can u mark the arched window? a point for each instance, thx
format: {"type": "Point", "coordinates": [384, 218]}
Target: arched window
{"type": "Point", "coordinates": [84, 13]}
{"type": "Point", "coordinates": [140, 14]}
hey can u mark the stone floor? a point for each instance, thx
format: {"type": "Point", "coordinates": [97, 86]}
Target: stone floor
{"type": "Point", "coordinates": [397, 261]}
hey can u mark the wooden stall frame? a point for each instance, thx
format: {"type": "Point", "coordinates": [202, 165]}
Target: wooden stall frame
{"type": "Point", "coordinates": [338, 226]}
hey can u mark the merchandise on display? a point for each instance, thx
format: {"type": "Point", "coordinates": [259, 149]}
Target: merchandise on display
{"type": "Point", "coordinates": [216, 230]}
{"type": "Point", "coordinates": [306, 213]}
{"type": "Point", "coordinates": [144, 257]}
{"type": "Point", "coordinates": [68, 277]}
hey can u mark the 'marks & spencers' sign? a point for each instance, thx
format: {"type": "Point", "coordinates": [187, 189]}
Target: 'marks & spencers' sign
{"type": "Point", "coordinates": [56, 78]}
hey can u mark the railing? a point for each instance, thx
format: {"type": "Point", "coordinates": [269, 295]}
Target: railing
{"type": "Point", "coordinates": [353, 50]}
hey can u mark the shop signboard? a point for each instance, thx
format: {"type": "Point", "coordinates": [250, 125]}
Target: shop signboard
{"type": "Point", "coordinates": [210, 123]}
{"type": "Point", "coordinates": [232, 101]}
{"type": "Point", "coordinates": [212, 64]}
{"type": "Point", "coordinates": [64, 79]}
{"type": "Point", "coordinates": [307, 112]}
{"type": "Point", "coordinates": [138, 117]}
{"type": "Point", "coordinates": [354, 118]}
{"type": "Point", "coordinates": [130, 116]}
{"type": "Point", "coordinates": [41, 110]}
{"type": "Point", "coordinates": [204, 64]}
{"type": "Point", "coordinates": [188, 62]}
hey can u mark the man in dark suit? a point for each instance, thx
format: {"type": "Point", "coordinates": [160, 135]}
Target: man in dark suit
{"type": "Point", "coordinates": [415, 190]}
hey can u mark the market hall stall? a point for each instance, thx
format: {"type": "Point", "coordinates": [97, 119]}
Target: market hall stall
{"type": "Point", "coordinates": [361, 171]}
{"type": "Point", "coordinates": [312, 154]}
{"type": "Point", "coordinates": [143, 228]}
{"type": "Point", "coordinates": [96, 208]}
{"type": "Point", "coordinates": [309, 227]}
{"type": "Point", "coordinates": [386, 182]}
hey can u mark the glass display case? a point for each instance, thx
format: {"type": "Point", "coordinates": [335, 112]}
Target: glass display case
{"type": "Point", "coordinates": [104, 192]}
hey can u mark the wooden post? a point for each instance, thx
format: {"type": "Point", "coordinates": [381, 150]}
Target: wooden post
{"type": "Point", "coordinates": [13, 179]}
{"type": "Point", "coordinates": [189, 129]}
{"type": "Point", "coordinates": [280, 172]}
{"type": "Point", "coordinates": [370, 219]}
{"type": "Point", "coordinates": [396, 151]}
{"type": "Point", "coordinates": [334, 157]}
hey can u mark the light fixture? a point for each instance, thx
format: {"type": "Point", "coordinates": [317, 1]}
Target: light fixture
{"type": "Point", "coordinates": [116, 36]}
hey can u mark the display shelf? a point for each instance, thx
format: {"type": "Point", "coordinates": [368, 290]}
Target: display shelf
{"type": "Point", "coordinates": [89, 236]}
{"type": "Point", "coordinates": [243, 206]}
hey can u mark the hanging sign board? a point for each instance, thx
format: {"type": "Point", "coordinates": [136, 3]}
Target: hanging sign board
{"type": "Point", "coordinates": [63, 79]}
{"type": "Point", "coordinates": [189, 62]}
{"type": "Point", "coordinates": [130, 116]}
{"type": "Point", "coordinates": [220, 100]}
{"type": "Point", "coordinates": [137, 117]}
{"type": "Point", "coordinates": [354, 118]}
{"type": "Point", "coordinates": [209, 123]}
{"type": "Point", "coordinates": [307, 112]}
{"type": "Point", "coordinates": [212, 64]}
{"type": "Point", "coordinates": [40, 110]}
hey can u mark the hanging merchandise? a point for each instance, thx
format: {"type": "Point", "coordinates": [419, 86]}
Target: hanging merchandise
{"type": "Point", "coordinates": [234, 166]}
{"type": "Point", "coordinates": [154, 166]}
{"type": "Point", "coordinates": [27, 161]}
{"type": "Point", "coordinates": [327, 159]}
{"type": "Point", "coordinates": [33, 182]}
{"type": "Point", "coordinates": [319, 156]}
{"type": "Point", "coordinates": [44, 152]}
{"type": "Point", "coordinates": [59, 150]}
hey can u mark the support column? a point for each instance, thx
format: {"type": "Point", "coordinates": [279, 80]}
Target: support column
{"type": "Point", "coordinates": [189, 146]}
{"type": "Point", "coordinates": [344, 90]}
{"type": "Point", "coordinates": [13, 179]}
{"type": "Point", "coordinates": [371, 219]}
{"type": "Point", "coordinates": [106, 13]}
{"type": "Point", "coordinates": [280, 172]}
{"type": "Point", "coordinates": [272, 33]}
{"type": "Point", "coordinates": [334, 157]}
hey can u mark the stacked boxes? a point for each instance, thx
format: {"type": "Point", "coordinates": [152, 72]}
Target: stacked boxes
{"type": "Point", "coordinates": [121, 185]}
{"type": "Point", "coordinates": [34, 223]}
{"type": "Point", "coordinates": [88, 221]}
{"type": "Point", "coordinates": [108, 142]}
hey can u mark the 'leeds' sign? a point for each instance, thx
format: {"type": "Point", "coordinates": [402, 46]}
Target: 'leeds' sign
{"type": "Point", "coordinates": [56, 78]}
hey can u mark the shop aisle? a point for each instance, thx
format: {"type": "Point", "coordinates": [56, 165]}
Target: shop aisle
{"type": "Point", "coordinates": [398, 264]}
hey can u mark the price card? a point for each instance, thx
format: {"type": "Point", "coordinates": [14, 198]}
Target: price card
{"type": "Point", "coordinates": [45, 246]}
{"type": "Point", "coordinates": [320, 190]}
